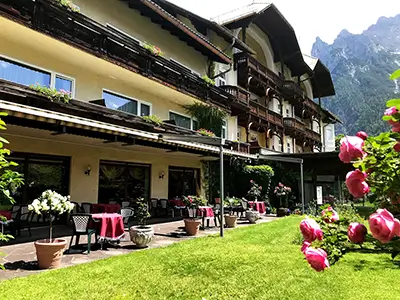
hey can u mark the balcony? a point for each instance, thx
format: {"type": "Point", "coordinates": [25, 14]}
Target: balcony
{"type": "Point", "coordinates": [265, 114]}
{"type": "Point", "coordinates": [86, 34]}
{"type": "Point", "coordinates": [248, 67]}
{"type": "Point", "coordinates": [312, 107]}
{"type": "Point", "coordinates": [312, 135]}
{"type": "Point", "coordinates": [292, 91]}
{"type": "Point", "coordinates": [294, 127]}
{"type": "Point", "coordinates": [241, 95]}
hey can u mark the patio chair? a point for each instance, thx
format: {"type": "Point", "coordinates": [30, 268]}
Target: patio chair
{"type": "Point", "coordinates": [76, 210]}
{"type": "Point", "coordinates": [126, 213]}
{"type": "Point", "coordinates": [154, 206]}
{"type": "Point", "coordinates": [23, 219]}
{"type": "Point", "coordinates": [81, 224]}
{"type": "Point", "coordinates": [166, 208]}
{"type": "Point", "coordinates": [15, 210]}
{"type": "Point", "coordinates": [125, 204]}
{"type": "Point", "coordinates": [86, 207]}
{"type": "Point", "coordinates": [112, 202]}
{"type": "Point", "coordinates": [241, 208]}
{"type": "Point", "coordinates": [217, 214]}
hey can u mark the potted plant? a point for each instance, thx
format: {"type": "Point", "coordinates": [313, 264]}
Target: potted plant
{"type": "Point", "coordinates": [49, 251]}
{"type": "Point", "coordinates": [282, 192]}
{"type": "Point", "coordinates": [230, 218]}
{"type": "Point", "coordinates": [142, 234]}
{"type": "Point", "coordinates": [254, 193]}
{"type": "Point", "coordinates": [192, 223]}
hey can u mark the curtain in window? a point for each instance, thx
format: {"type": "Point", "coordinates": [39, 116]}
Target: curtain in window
{"type": "Point", "coordinates": [111, 172]}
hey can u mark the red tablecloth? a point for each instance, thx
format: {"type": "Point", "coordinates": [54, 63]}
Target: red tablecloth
{"type": "Point", "coordinates": [111, 226]}
{"type": "Point", "coordinates": [6, 213]}
{"type": "Point", "coordinates": [105, 208]}
{"type": "Point", "coordinates": [205, 211]}
{"type": "Point", "coordinates": [258, 206]}
{"type": "Point", "coordinates": [176, 202]}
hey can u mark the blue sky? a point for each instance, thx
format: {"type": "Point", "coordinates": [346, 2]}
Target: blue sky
{"type": "Point", "coordinates": [310, 18]}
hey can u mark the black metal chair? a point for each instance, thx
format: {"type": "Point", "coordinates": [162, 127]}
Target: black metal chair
{"type": "Point", "coordinates": [86, 207]}
{"type": "Point", "coordinates": [81, 223]}
{"type": "Point", "coordinates": [126, 213]}
{"type": "Point", "coordinates": [23, 219]}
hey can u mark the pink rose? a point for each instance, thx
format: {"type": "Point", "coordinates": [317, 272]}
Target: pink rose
{"type": "Point", "coordinates": [396, 127]}
{"type": "Point", "coordinates": [317, 258]}
{"type": "Point", "coordinates": [384, 226]}
{"type": "Point", "coordinates": [351, 148]}
{"type": "Point", "coordinates": [390, 111]}
{"type": "Point", "coordinates": [397, 147]}
{"type": "Point", "coordinates": [355, 182]}
{"type": "Point", "coordinates": [356, 233]}
{"type": "Point", "coordinates": [362, 135]}
{"type": "Point", "coordinates": [310, 230]}
{"type": "Point", "coordinates": [305, 246]}
{"type": "Point", "coordinates": [333, 216]}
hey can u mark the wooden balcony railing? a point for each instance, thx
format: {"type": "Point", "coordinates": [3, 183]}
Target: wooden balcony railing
{"type": "Point", "coordinates": [245, 62]}
{"type": "Point", "coordinates": [241, 147]}
{"type": "Point", "coordinates": [275, 118]}
{"type": "Point", "coordinates": [90, 36]}
{"type": "Point", "coordinates": [293, 124]}
{"type": "Point", "coordinates": [266, 114]}
{"type": "Point", "coordinates": [292, 89]}
{"type": "Point", "coordinates": [310, 104]}
{"type": "Point", "coordinates": [311, 134]}
{"type": "Point", "coordinates": [238, 93]}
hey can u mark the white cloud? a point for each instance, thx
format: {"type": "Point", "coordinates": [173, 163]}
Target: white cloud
{"type": "Point", "coordinates": [310, 18]}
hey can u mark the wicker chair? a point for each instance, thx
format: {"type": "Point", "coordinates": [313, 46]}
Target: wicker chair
{"type": "Point", "coordinates": [154, 206]}
{"type": "Point", "coordinates": [125, 204]}
{"type": "Point", "coordinates": [81, 224]}
{"type": "Point", "coordinates": [86, 207]}
{"type": "Point", "coordinates": [166, 208]}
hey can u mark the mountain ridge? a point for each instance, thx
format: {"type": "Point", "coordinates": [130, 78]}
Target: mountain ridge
{"type": "Point", "coordinates": [360, 65]}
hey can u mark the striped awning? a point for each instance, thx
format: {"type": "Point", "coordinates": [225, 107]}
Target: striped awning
{"type": "Point", "coordinates": [42, 115]}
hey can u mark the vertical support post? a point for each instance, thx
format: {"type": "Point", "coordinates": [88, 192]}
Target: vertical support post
{"type": "Point", "coordinates": [302, 186]}
{"type": "Point", "coordinates": [221, 178]}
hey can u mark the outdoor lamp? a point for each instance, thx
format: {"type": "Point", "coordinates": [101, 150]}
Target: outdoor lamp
{"type": "Point", "coordinates": [88, 169]}
{"type": "Point", "coordinates": [161, 175]}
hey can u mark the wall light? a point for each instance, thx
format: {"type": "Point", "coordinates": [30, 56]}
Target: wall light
{"type": "Point", "coordinates": [88, 169]}
{"type": "Point", "coordinates": [161, 175]}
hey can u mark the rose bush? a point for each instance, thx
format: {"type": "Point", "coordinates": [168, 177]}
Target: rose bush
{"type": "Point", "coordinates": [376, 161]}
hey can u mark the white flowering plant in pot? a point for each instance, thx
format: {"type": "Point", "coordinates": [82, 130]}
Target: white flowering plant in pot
{"type": "Point", "coordinates": [52, 204]}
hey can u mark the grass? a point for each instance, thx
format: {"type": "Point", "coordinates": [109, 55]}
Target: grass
{"type": "Point", "coordinates": [256, 262]}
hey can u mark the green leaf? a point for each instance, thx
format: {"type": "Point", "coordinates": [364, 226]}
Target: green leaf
{"type": "Point", "coordinates": [3, 140]}
{"type": "Point", "coordinates": [386, 118]}
{"type": "Point", "coordinates": [395, 75]}
{"type": "Point", "coordinates": [393, 102]}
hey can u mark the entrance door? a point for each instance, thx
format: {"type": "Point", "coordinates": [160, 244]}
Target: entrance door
{"type": "Point", "coordinates": [183, 182]}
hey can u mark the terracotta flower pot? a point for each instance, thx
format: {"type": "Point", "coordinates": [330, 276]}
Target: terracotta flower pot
{"type": "Point", "coordinates": [192, 226]}
{"type": "Point", "coordinates": [141, 236]}
{"type": "Point", "coordinates": [48, 254]}
{"type": "Point", "coordinates": [230, 221]}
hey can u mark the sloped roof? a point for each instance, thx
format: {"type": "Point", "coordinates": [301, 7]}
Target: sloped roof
{"type": "Point", "coordinates": [193, 38]}
{"type": "Point", "coordinates": [281, 34]}
{"type": "Point", "coordinates": [321, 81]}
{"type": "Point", "coordinates": [203, 24]}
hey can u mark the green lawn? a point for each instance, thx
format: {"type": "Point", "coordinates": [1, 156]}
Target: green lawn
{"type": "Point", "coordinates": [257, 262]}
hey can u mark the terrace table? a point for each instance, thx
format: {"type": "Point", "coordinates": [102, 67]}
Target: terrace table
{"type": "Point", "coordinates": [110, 227]}
{"type": "Point", "coordinates": [258, 206]}
{"type": "Point", "coordinates": [6, 213]}
{"type": "Point", "coordinates": [206, 213]}
{"type": "Point", "coordinates": [105, 208]}
{"type": "Point", "coordinates": [9, 222]}
{"type": "Point", "coordinates": [176, 202]}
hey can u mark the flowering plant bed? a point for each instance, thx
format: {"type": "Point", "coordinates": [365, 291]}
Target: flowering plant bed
{"type": "Point", "coordinates": [52, 94]}
{"type": "Point", "coordinates": [206, 132]}
{"type": "Point", "coordinates": [156, 51]}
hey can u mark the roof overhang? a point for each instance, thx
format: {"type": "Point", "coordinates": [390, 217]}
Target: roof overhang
{"type": "Point", "coordinates": [193, 38]}
{"type": "Point", "coordinates": [281, 35]}
{"type": "Point", "coordinates": [202, 25]}
{"type": "Point", "coordinates": [321, 81]}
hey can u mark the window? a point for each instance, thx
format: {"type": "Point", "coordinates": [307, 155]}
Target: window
{"type": "Point", "coordinates": [27, 75]}
{"type": "Point", "coordinates": [224, 129]}
{"type": "Point", "coordinates": [183, 182]}
{"type": "Point", "coordinates": [119, 181]}
{"type": "Point", "coordinates": [289, 150]}
{"type": "Point", "coordinates": [41, 172]}
{"type": "Point", "coordinates": [287, 112]}
{"type": "Point", "coordinates": [183, 121]}
{"type": "Point", "coordinates": [125, 104]}
{"type": "Point", "coordinates": [221, 80]}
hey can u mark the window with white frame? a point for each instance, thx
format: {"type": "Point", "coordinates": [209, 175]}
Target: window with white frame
{"type": "Point", "coordinates": [287, 112]}
{"type": "Point", "coordinates": [224, 130]}
{"type": "Point", "coordinates": [220, 80]}
{"type": "Point", "coordinates": [123, 103]}
{"type": "Point", "coordinates": [183, 121]}
{"type": "Point", "coordinates": [26, 74]}
{"type": "Point", "coordinates": [289, 149]}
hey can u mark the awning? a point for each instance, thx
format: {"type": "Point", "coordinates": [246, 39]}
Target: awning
{"type": "Point", "coordinates": [46, 116]}
{"type": "Point", "coordinates": [321, 81]}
